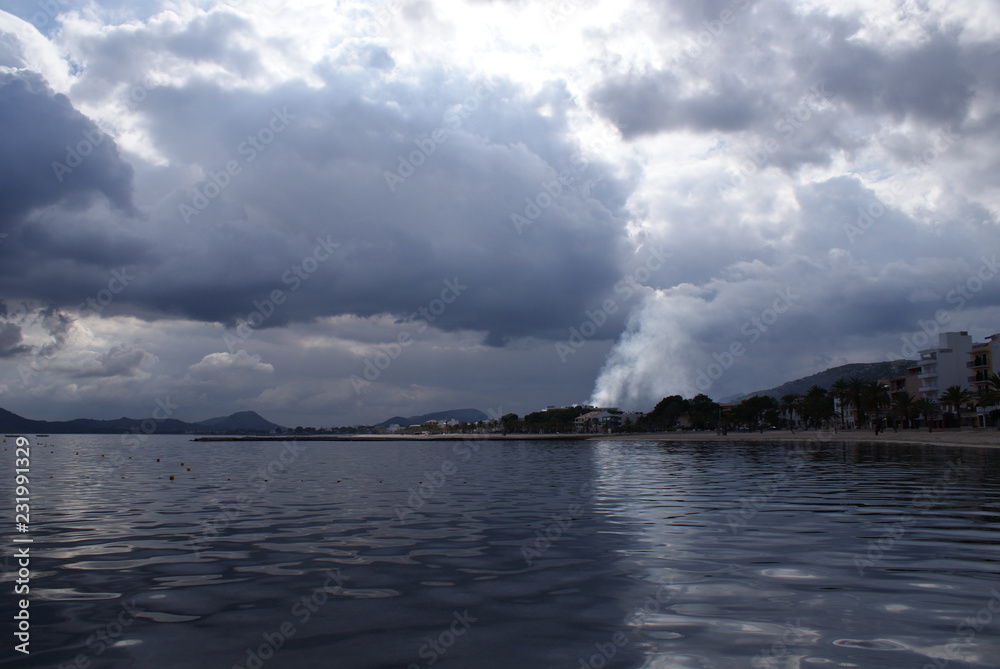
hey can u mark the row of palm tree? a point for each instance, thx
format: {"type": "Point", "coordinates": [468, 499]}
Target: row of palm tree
{"type": "Point", "coordinates": [868, 400]}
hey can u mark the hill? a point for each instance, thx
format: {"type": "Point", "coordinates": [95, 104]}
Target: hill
{"type": "Point", "coordinates": [461, 415]}
{"type": "Point", "coordinates": [866, 371]}
{"type": "Point", "coordinates": [241, 421]}
{"type": "Point", "coordinates": [238, 423]}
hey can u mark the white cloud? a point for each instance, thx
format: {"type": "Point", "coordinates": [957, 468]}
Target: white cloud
{"type": "Point", "coordinates": [224, 361]}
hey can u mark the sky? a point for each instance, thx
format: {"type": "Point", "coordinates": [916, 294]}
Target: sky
{"type": "Point", "coordinates": [335, 212]}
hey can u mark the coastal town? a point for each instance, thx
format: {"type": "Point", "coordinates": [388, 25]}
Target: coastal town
{"type": "Point", "coordinates": [954, 384]}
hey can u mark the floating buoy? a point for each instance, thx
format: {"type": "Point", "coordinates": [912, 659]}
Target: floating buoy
{"type": "Point", "coordinates": [171, 477]}
{"type": "Point", "coordinates": [189, 469]}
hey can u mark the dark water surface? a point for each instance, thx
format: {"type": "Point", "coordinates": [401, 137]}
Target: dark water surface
{"type": "Point", "coordinates": [406, 555]}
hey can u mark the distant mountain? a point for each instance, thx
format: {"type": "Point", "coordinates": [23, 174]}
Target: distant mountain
{"type": "Point", "coordinates": [239, 423]}
{"type": "Point", "coordinates": [866, 371]}
{"type": "Point", "coordinates": [242, 421]}
{"type": "Point", "coordinates": [461, 415]}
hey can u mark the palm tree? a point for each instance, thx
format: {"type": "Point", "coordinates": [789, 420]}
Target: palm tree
{"type": "Point", "coordinates": [991, 395]}
{"type": "Point", "coordinates": [988, 398]}
{"type": "Point", "coordinates": [840, 392]}
{"type": "Point", "coordinates": [789, 403]}
{"type": "Point", "coordinates": [994, 381]}
{"type": "Point", "coordinates": [856, 392]}
{"type": "Point", "coordinates": [875, 397]}
{"type": "Point", "coordinates": [905, 404]}
{"type": "Point", "coordinates": [955, 396]}
{"type": "Point", "coordinates": [817, 406]}
{"type": "Point", "coordinates": [926, 407]}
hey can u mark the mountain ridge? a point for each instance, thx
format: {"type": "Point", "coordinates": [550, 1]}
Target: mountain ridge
{"type": "Point", "coordinates": [866, 371]}
{"type": "Point", "coordinates": [240, 422]}
{"type": "Point", "coordinates": [461, 415]}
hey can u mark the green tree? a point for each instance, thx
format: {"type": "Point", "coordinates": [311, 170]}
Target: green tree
{"type": "Point", "coordinates": [554, 420]}
{"type": "Point", "coordinates": [817, 406]}
{"type": "Point", "coordinates": [955, 396]}
{"type": "Point", "coordinates": [789, 404]}
{"type": "Point", "coordinates": [855, 395]}
{"type": "Point", "coordinates": [927, 408]}
{"type": "Point", "coordinates": [510, 423]}
{"type": "Point", "coordinates": [875, 397]}
{"type": "Point", "coordinates": [840, 391]}
{"type": "Point", "coordinates": [666, 414]}
{"type": "Point", "coordinates": [704, 412]}
{"type": "Point", "coordinates": [905, 405]}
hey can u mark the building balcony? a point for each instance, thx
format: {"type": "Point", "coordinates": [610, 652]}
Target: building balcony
{"type": "Point", "coordinates": [927, 375]}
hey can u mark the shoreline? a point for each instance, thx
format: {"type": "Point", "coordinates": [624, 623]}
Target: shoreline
{"type": "Point", "coordinates": [981, 438]}
{"type": "Point", "coordinates": [409, 437]}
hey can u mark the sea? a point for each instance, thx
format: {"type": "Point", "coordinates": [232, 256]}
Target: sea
{"type": "Point", "coordinates": [161, 552]}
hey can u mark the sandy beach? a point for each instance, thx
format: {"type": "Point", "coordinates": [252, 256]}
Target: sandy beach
{"type": "Point", "coordinates": [985, 438]}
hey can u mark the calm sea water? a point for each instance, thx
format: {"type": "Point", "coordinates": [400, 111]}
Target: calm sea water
{"type": "Point", "coordinates": [507, 554]}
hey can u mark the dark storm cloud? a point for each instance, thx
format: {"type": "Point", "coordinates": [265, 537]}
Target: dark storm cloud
{"type": "Point", "coordinates": [53, 154]}
{"type": "Point", "coordinates": [321, 180]}
{"type": "Point", "coordinates": [10, 341]}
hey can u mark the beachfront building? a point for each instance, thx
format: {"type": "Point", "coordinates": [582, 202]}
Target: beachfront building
{"type": "Point", "coordinates": [945, 365]}
{"type": "Point", "coordinates": [908, 383]}
{"type": "Point", "coordinates": [984, 360]}
{"type": "Point", "coordinates": [605, 420]}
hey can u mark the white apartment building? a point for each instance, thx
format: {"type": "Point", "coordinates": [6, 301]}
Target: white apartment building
{"type": "Point", "coordinates": [946, 365]}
